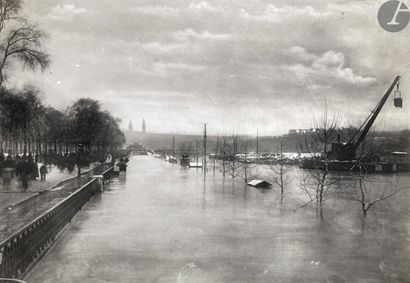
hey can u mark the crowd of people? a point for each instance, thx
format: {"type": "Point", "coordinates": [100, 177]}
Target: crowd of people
{"type": "Point", "coordinates": [26, 167]}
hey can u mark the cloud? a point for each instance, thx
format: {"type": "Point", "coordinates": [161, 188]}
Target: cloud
{"type": "Point", "coordinates": [204, 6]}
{"type": "Point", "coordinates": [357, 7]}
{"type": "Point", "coordinates": [171, 11]}
{"type": "Point", "coordinates": [334, 64]}
{"type": "Point", "coordinates": [273, 13]}
{"type": "Point", "coordinates": [330, 64]}
{"type": "Point", "coordinates": [164, 69]}
{"type": "Point", "coordinates": [300, 53]}
{"type": "Point", "coordinates": [330, 59]}
{"type": "Point", "coordinates": [189, 34]}
{"type": "Point", "coordinates": [155, 10]}
{"type": "Point", "coordinates": [163, 48]}
{"type": "Point", "coordinates": [65, 12]}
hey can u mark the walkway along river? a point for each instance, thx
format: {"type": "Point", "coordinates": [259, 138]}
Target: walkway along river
{"type": "Point", "coordinates": [160, 223]}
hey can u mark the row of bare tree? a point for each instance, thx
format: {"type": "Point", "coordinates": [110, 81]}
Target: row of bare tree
{"type": "Point", "coordinates": [354, 183]}
{"type": "Point", "coordinates": [316, 183]}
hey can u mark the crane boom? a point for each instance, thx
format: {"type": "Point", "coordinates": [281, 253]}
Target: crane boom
{"type": "Point", "coordinates": [361, 134]}
{"type": "Point", "coordinates": [348, 151]}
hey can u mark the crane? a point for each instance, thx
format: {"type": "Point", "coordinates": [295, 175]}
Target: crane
{"type": "Point", "coordinates": [347, 151]}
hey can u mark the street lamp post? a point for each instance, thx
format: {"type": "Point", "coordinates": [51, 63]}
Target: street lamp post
{"type": "Point", "coordinates": [79, 147]}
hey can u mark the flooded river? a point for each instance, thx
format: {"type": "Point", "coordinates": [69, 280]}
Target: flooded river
{"type": "Point", "coordinates": [160, 223]}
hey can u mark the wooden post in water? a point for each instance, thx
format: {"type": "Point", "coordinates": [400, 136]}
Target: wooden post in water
{"type": "Point", "coordinates": [204, 149]}
{"type": "Point", "coordinates": [173, 149]}
{"type": "Point", "coordinates": [197, 146]}
{"type": "Point", "coordinates": [257, 141]}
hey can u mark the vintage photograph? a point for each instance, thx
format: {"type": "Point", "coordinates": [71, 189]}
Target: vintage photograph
{"type": "Point", "coordinates": [204, 141]}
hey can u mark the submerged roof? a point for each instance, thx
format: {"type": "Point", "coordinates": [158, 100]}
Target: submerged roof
{"type": "Point", "coordinates": [399, 153]}
{"type": "Point", "coordinates": [194, 164]}
{"type": "Point", "coordinates": [259, 184]}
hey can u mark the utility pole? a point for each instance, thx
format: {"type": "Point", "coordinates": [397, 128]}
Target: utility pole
{"type": "Point", "coordinates": [257, 141]}
{"type": "Point", "coordinates": [197, 153]}
{"type": "Point", "coordinates": [204, 153]}
{"type": "Point", "coordinates": [281, 148]}
{"type": "Point", "coordinates": [173, 148]}
{"type": "Point", "coordinates": [79, 147]}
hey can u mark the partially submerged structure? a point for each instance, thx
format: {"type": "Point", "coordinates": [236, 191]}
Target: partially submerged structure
{"type": "Point", "coordinates": [260, 184]}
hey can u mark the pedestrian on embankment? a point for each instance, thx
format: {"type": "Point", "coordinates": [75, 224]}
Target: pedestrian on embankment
{"type": "Point", "coordinates": [43, 172]}
{"type": "Point", "coordinates": [34, 167]}
{"type": "Point", "coordinates": [108, 159]}
{"type": "Point", "coordinates": [26, 171]}
{"type": "Point", "coordinates": [8, 171]}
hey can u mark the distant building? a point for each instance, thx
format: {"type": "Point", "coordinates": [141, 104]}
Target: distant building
{"type": "Point", "coordinates": [302, 131]}
{"type": "Point", "coordinates": [130, 127]}
{"type": "Point", "coordinates": [342, 134]}
{"type": "Point", "coordinates": [143, 127]}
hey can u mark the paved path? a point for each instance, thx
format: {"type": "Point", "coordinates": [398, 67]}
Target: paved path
{"type": "Point", "coordinates": [13, 192]}
{"type": "Point", "coordinates": [19, 208]}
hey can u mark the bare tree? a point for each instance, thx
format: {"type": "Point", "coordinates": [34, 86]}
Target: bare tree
{"type": "Point", "coordinates": [20, 40]}
{"type": "Point", "coordinates": [216, 152]}
{"type": "Point", "coordinates": [317, 181]}
{"type": "Point", "coordinates": [357, 188]}
{"type": "Point", "coordinates": [233, 164]}
{"type": "Point", "coordinates": [222, 146]}
{"type": "Point", "coordinates": [356, 185]}
{"type": "Point", "coordinates": [280, 172]}
{"type": "Point", "coordinates": [247, 169]}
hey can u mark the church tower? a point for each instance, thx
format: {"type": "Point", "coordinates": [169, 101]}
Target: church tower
{"type": "Point", "coordinates": [130, 127]}
{"type": "Point", "coordinates": [143, 127]}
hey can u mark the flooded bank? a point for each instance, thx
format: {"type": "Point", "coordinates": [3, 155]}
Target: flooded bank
{"type": "Point", "coordinates": [160, 223]}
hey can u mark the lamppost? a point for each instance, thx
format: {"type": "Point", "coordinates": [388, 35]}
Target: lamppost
{"type": "Point", "coordinates": [79, 148]}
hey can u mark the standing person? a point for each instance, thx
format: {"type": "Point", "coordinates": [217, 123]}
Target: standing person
{"type": "Point", "coordinates": [26, 170]}
{"type": "Point", "coordinates": [34, 167]}
{"type": "Point", "coordinates": [43, 172]}
{"type": "Point", "coordinates": [9, 169]}
{"type": "Point", "coordinates": [71, 165]}
{"type": "Point", "coordinates": [108, 160]}
{"type": "Point", "coordinates": [116, 169]}
{"type": "Point", "coordinates": [19, 165]}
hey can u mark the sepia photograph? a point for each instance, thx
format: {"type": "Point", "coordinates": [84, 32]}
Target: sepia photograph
{"type": "Point", "coordinates": [204, 141]}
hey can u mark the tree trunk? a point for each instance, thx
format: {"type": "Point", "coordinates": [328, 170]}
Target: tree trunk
{"type": "Point", "coordinates": [25, 145]}
{"type": "Point", "coordinates": [364, 209]}
{"type": "Point", "coordinates": [281, 179]}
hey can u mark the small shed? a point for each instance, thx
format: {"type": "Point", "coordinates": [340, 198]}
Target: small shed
{"type": "Point", "coordinates": [259, 184]}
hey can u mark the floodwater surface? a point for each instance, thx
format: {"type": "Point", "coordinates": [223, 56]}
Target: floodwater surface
{"type": "Point", "coordinates": [161, 223]}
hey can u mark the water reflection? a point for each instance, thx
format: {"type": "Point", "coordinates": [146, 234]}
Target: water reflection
{"type": "Point", "coordinates": [165, 224]}
{"type": "Point", "coordinates": [348, 245]}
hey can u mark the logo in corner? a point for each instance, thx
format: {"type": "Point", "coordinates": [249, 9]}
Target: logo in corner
{"type": "Point", "coordinates": [393, 16]}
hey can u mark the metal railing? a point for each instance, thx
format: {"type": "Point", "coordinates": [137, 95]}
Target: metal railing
{"type": "Point", "coordinates": [11, 280]}
{"type": "Point", "coordinates": [22, 249]}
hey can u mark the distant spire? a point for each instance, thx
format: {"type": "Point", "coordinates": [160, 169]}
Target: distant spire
{"type": "Point", "coordinates": [130, 127]}
{"type": "Point", "coordinates": [144, 127]}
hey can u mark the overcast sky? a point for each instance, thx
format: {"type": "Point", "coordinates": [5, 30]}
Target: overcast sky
{"type": "Point", "coordinates": [237, 65]}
